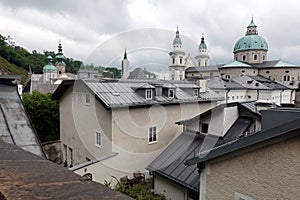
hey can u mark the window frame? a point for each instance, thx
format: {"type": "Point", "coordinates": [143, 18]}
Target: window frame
{"type": "Point", "coordinates": [196, 93]}
{"type": "Point", "coordinates": [87, 97]}
{"type": "Point", "coordinates": [206, 128]}
{"type": "Point", "coordinates": [148, 96]}
{"type": "Point", "coordinates": [152, 135]}
{"type": "Point", "coordinates": [169, 93]}
{"type": "Point", "coordinates": [98, 139]}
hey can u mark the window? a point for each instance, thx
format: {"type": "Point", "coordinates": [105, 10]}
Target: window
{"type": "Point", "coordinates": [171, 93]}
{"type": "Point", "coordinates": [71, 156]}
{"type": "Point", "coordinates": [98, 139]}
{"type": "Point", "coordinates": [204, 128]}
{"type": "Point", "coordinates": [149, 94]}
{"type": "Point", "coordinates": [227, 76]}
{"type": "Point", "coordinates": [173, 60]}
{"type": "Point", "coordinates": [199, 63]}
{"type": "Point", "coordinates": [267, 72]}
{"type": "Point", "coordinates": [287, 71]}
{"type": "Point", "coordinates": [255, 57]}
{"type": "Point", "coordinates": [152, 137]}
{"type": "Point", "coordinates": [286, 78]}
{"type": "Point", "coordinates": [180, 60]}
{"type": "Point", "coordinates": [264, 57]}
{"type": "Point", "coordinates": [79, 97]}
{"type": "Point", "coordinates": [244, 58]}
{"type": "Point", "coordinates": [195, 92]}
{"type": "Point", "coordinates": [87, 99]}
{"type": "Point", "coordinates": [232, 97]}
{"type": "Point", "coordinates": [243, 71]}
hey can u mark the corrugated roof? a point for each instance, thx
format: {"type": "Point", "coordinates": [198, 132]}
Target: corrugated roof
{"type": "Point", "coordinates": [15, 125]}
{"type": "Point", "coordinates": [120, 94]}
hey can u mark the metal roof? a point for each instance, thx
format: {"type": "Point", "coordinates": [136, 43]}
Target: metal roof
{"type": "Point", "coordinates": [258, 82]}
{"type": "Point", "coordinates": [203, 69]}
{"type": "Point", "coordinates": [15, 125]}
{"type": "Point", "coordinates": [122, 94]}
{"type": "Point", "coordinates": [283, 131]}
{"type": "Point", "coordinates": [170, 163]}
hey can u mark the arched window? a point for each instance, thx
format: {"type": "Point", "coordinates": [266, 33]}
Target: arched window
{"type": "Point", "coordinates": [173, 60]}
{"type": "Point", "coordinates": [255, 57]}
{"type": "Point", "coordinates": [180, 60]}
{"type": "Point", "coordinates": [286, 78]}
{"type": "Point", "coordinates": [244, 57]}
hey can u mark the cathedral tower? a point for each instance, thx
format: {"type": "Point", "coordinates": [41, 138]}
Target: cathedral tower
{"type": "Point", "coordinates": [177, 59]}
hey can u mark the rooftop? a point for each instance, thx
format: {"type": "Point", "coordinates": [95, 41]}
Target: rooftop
{"type": "Point", "coordinates": [118, 94]}
{"type": "Point", "coordinates": [26, 176]}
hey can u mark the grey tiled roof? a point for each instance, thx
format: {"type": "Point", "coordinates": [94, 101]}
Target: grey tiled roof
{"type": "Point", "coordinates": [244, 82]}
{"type": "Point", "coordinates": [258, 82]}
{"type": "Point", "coordinates": [26, 176]}
{"type": "Point", "coordinates": [220, 83]}
{"type": "Point", "coordinates": [203, 69]}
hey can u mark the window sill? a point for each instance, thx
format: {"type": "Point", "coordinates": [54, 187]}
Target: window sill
{"type": "Point", "coordinates": [152, 142]}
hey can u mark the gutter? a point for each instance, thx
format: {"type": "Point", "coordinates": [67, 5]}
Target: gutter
{"type": "Point", "coordinates": [91, 162]}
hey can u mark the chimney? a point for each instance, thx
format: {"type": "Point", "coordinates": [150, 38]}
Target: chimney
{"type": "Point", "coordinates": [202, 84]}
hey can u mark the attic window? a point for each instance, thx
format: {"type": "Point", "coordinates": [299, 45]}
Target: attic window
{"type": "Point", "coordinates": [171, 93]}
{"type": "Point", "coordinates": [87, 99]}
{"type": "Point", "coordinates": [204, 127]}
{"type": "Point", "coordinates": [195, 92]}
{"type": "Point", "coordinates": [148, 94]}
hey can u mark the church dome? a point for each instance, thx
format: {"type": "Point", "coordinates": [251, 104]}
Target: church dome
{"type": "Point", "coordinates": [49, 67]}
{"type": "Point", "coordinates": [251, 42]}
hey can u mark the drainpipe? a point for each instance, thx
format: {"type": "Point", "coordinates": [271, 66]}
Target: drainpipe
{"type": "Point", "coordinates": [280, 100]}
{"type": "Point", "coordinates": [226, 96]}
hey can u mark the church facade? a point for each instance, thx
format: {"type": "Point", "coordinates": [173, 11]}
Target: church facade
{"type": "Point", "coordinates": [250, 58]}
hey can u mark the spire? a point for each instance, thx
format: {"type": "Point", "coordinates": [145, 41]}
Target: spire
{"type": "Point", "coordinates": [177, 40]}
{"type": "Point", "coordinates": [125, 54]}
{"type": "Point", "coordinates": [252, 23]}
{"type": "Point", "coordinates": [251, 28]}
{"type": "Point", "coordinates": [59, 47]}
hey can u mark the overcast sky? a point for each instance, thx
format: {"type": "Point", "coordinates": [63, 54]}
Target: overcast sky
{"type": "Point", "coordinates": [85, 26]}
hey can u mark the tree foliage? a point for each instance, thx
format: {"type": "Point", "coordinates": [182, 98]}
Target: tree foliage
{"type": "Point", "coordinates": [22, 58]}
{"type": "Point", "coordinates": [138, 191]}
{"type": "Point", "coordinates": [44, 114]}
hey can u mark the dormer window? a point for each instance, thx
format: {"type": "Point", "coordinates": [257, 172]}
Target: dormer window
{"type": "Point", "coordinates": [195, 92]}
{"type": "Point", "coordinates": [148, 94]}
{"type": "Point", "coordinates": [171, 93]}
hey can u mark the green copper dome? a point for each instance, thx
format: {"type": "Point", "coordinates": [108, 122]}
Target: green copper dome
{"type": "Point", "coordinates": [177, 40]}
{"type": "Point", "coordinates": [251, 42]}
{"type": "Point", "coordinates": [49, 67]}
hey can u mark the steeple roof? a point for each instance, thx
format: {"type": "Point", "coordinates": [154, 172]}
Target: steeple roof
{"type": "Point", "coordinates": [202, 45]}
{"type": "Point", "coordinates": [252, 23]}
{"type": "Point", "coordinates": [177, 40]}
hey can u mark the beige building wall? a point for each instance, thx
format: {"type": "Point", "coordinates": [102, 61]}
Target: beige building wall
{"type": "Point", "coordinates": [238, 71]}
{"type": "Point", "coordinates": [124, 131]}
{"type": "Point", "coordinates": [267, 173]}
{"type": "Point", "coordinates": [278, 73]}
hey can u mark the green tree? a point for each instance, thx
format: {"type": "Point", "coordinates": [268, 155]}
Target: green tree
{"type": "Point", "coordinates": [44, 114]}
